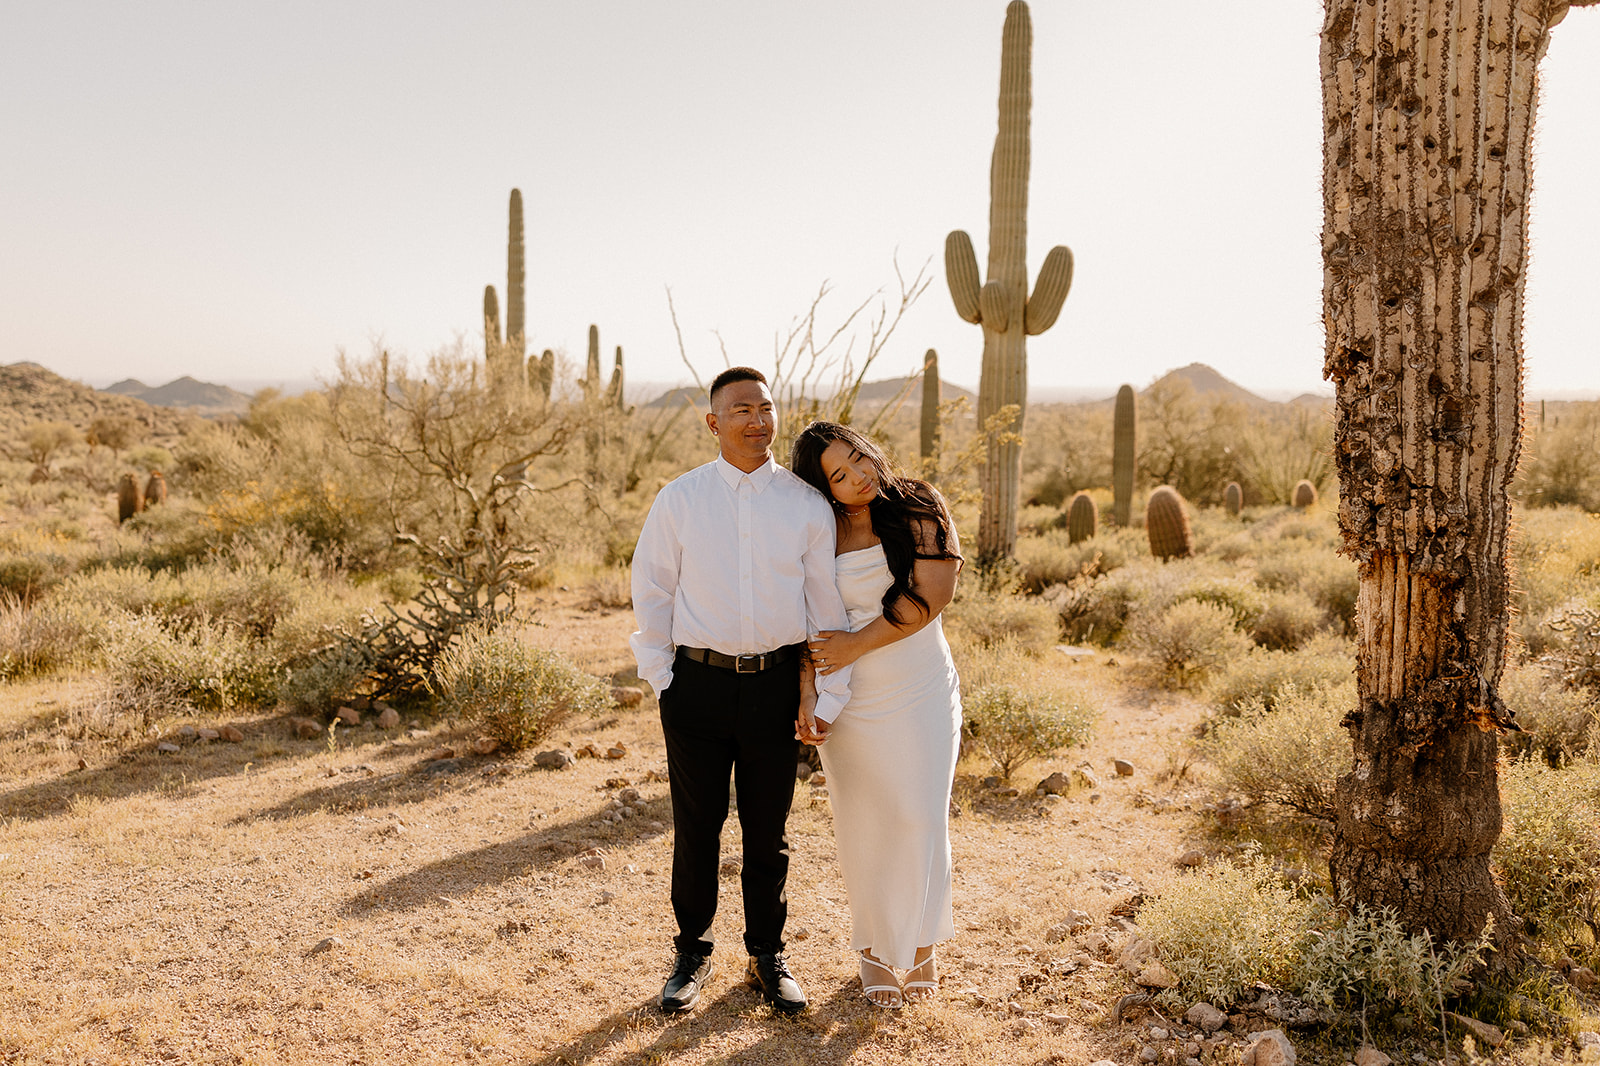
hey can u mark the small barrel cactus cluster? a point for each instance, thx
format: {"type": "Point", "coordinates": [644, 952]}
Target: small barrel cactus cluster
{"type": "Point", "coordinates": [1233, 498]}
{"type": "Point", "coordinates": [1305, 495]}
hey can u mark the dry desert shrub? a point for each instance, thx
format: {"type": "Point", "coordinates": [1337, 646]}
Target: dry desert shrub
{"type": "Point", "coordinates": [988, 617]}
{"type": "Point", "coordinates": [1558, 723]}
{"type": "Point", "coordinates": [1560, 468]}
{"type": "Point", "coordinates": [1051, 558]}
{"type": "Point", "coordinates": [1291, 754]}
{"type": "Point", "coordinates": [1287, 620]}
{"type": "Point", "coordinates": [1266, 676]}
{"type": "Point", "coordinates": [316, 681]}
{"type": "Point", "coordinates": [205, 665]}
{"type": "Point", "coordinates": [1186, 642]}
{"type": "Point", "coordinates": [1013, 724]}
{"type": "Point", "coordinates": [1331, 581]}
{"type": "Point", "coordinates": [515, 693]}
{"type": "Point", "coordinates": [1548, 855]}
{"type": "Point", "coordinates": [1557, 564]}
{"type": "Point", "coordinates": [40, 638]}
{"type": "Point", "coordinates": [1369, 963]}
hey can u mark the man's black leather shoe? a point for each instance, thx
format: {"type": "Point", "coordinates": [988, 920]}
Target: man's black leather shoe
{"type": "Point", "coordinates": [771, 975]}
{"type": "Point", "coordinates": [689, 975]}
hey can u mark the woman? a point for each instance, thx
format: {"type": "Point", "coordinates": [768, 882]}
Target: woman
{"type": "Point", "coordinates": [890, 756]}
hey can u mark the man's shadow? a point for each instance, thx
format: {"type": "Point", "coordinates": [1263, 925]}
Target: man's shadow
{"type": "Point", "coordinates": [808, 1037]}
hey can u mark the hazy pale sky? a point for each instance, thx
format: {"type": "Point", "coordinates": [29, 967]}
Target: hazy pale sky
{"type": "Point", "coordinates": [236, 191]}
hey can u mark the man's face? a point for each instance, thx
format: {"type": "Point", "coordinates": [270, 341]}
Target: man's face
{"type": "Point", "coordinates": [744, 421]}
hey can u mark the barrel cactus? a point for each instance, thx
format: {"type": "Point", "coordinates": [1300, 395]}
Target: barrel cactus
{"type": "Point", "coordinates": [130, 497]}
{"type": "Point", "coordinates": [1001, 305]}
{"type": "Point", "coordinates": [931, 397]}
{"type": "Point", "coordinates": [1166, 521]}
{"type": "Point", "coordinates": [1305, 495]}
{"type": "Point", "coordinates": [1124, 426]}
{"type": "Point", "coordinates": [1083, 516]}
{"type": "Point", "coordinates": [155, 490]}
{"type": "Point", "coordinates": [1233, 498]}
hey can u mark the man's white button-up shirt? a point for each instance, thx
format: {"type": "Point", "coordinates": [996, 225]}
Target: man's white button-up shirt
{"type": "Point", "coordinates": [738, 563]}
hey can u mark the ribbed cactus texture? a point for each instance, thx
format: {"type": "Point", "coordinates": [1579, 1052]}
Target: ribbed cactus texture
{"type": "Point", "coordinates": [1002, 305]}
{"type": "Point", "coordinates": [1124, 431]}
{"type": "Point", "coordinates": [1233, 498]}
{"type": "Point", "coordinates": [516, 326]}
{"type": "Point", "coordinates": [614, 387]}
{"type": "Point", "coordinates": [931, 398]}
{"type": "Point", "coordinates": [1166, 521]}
{"type": "Point", "coordinates": [1083, 517]}
{"type": "Point", "coordinates": [591, 366]}
{"type": "Point", "coordinates": [1305, 495]}
{"type": "Point", "coordinates": [542, 372]}
{"type": "Point", "coordinates": [1428, 111]}
{"type": "Point", "coordinates": [492, 343]}
{"type": "Point", "coordinates": [155, 490]}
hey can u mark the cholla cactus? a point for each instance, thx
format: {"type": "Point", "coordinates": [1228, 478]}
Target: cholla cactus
{"type": "Point", "coordinates": [1002, 304]}
{"type": "Point", "coordinates": [1233, 498]}
{"type": "Point", "coordinates": [1305, 495]}
{"type": "Point", "coordinates": [1083, 516]}
{"type": "Point", "coordinates": [931, 398]}
{"type": "Point", "coordinates": [1166, 521]}
{"type": "Point", "coordinates": [1124, 426]}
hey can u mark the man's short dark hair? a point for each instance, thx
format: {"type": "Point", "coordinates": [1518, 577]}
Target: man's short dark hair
{"type": "Point", "coordinates": [729, 376]}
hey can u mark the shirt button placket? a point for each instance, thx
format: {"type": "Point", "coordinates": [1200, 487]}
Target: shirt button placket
{"type": "Point", "coordinates": [747, 604]}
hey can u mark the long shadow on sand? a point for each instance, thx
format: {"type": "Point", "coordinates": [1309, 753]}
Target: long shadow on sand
{"type": "Point", "coordinates": [813, 1037]}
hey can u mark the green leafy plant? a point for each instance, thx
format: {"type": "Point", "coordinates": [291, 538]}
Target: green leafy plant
{"type": "Point", "coordinates": [1548, 855]}
{"type": "Point", "coordinates": [514, 693]}
{"type": "Point", "coordinates": [1012, 724]}
{"type": "Point", "coordinates": [1292, 755]}
{"type": "Point", "coordinates": [1187, 641]}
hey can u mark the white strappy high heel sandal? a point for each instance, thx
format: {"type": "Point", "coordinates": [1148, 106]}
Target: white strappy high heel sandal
{"type": "Point", "coordinates": [920, 989]}
{"type": "Point", "coordinates": [894, 1002]}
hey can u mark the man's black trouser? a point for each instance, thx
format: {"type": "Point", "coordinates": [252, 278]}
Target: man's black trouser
{"type": "Point", "coordinates": [718, 722]}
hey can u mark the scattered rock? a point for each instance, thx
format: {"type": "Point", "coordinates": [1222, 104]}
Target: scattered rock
{"type": "Point", "coordinates": [558, 759]}
{"type": "Point", "coordinates": [1085, 777]}
{"type": "Point", "coordinates": [83, 764]}
{"type": "Point", "coordinates": [617, 751]}
{"type": "Point", "coordinates": [590, 750]}
{"type": "Point", "coordinates": [630, 797]}
{"type": "Point", "coordinates": [327, 944]}
{"type": "Point", "coordinates": [1158, 1033]}
{"type": "Point", "coordinates": [167, 747]}
{"type": "Point", "coordinates": [1135, 953]}
{"type": "Point", "coordinates": [1582, 978]}
{"type": "Point", "coordinates": [1056, 1019]}
{"type": "Point", "coordinates": [305, 728]}
{"type": "Point", "coordinates": [231, 735]}
{"type": "Point", "coordinates": [209, 734]}
{"type": "Point", "coordinates": [485, 746]}
{"type": "Point", "coordinates": [992, 781]}
{"type": "Point", "coordinates": [1123, 767]}
{"type": "Point", "coordinates": [1155, 975]}
{"type": "Point", "coordinates": [803, 771]}
{"type": "Point", "coordinates": [1073, 922]}
{"type": "Point", "coordinates": [348, 715]}
{"type": "Point", "coordinates": [188, 732]}
{"type": "Point", "coordinates": [592, 862]}
{"type": "Point", "coordinates": [440, 753]}
{"type": "Point", "coordinates": [1271, 1048]}
{"type": "Point", "coordinates": [1095, 944]}
{"type": "Point", "coordinates": [606, 896]}
{"type": "Point", "coordinates": [1371, 1056]}
{"type": "Point", "coordinates": [388, 718]}
{"type": "Point", "coordinates": [731, 867]}
{"type": "Point", "coordinates": [1205, 1016]}
{"type": "Point", "coordinates": [627, 695]}
{"type": "Point", "coordinates": [445, 766]}
{"type": "Point", "coordinates": [1148, 1054]}
{"type": "Point", "coordinates": [655, 775]}
{"type": "Point", "coordinates": [1587, 1039]}
{"type": "Point", "coordinates": [1057, 784]}
{"type": "Point", "coordinates": [1192, 857]}
{"type": "Point", "coordinates": [1482, 1032]}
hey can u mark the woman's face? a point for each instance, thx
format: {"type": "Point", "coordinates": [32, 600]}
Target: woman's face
{"type": "Point", "coordinates": [852, 479]}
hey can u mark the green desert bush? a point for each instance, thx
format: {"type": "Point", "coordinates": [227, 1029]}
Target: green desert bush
{"type": "Point", "coordinates": [1548, 854]}
{"type": "Point", "coordinates": [1241, 598]}
{"type": "Point", "coordinates": [1287, 620]}
{"type": "Point", "coordinates": [1558, 723]}
{"type": "Point", "coordinates": [992, 616]}
{"type": "Point", "coordinates": [1186, 642]}
{"type": "Point", "coordinates": [319, 680]}
{"type": "Point", "coordinates": [40, 638]}
{"type": "Point", "coordinates": [1227, 926]}
{"type": "Point", "coordinates": [1013, 723]}
{"type": "Point", "coordinates": [514, 693]}
{"type": "Point", "coordinates": [1369, 963]}
{"type": "Point", "coordinates": [26, 577]}
{"type": "Point", "coordinates": [1265, 676]}
{"type": "Point", "coordinates": [208, 666]}
{"type": "Point", "coordinates": [1291, 755]}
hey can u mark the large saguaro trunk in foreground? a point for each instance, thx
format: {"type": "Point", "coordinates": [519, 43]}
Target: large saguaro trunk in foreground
{"type": "Point", "coordinates": [1427, 115]}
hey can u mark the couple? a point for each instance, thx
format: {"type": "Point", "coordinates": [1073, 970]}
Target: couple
{"type": "Point", "coordinates": [738, 562]}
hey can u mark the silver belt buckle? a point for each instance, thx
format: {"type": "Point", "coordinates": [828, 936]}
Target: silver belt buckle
{"type": "Point", "coordinates": [740, 660]}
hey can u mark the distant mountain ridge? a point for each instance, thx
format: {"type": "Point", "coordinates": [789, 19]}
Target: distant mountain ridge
{"type": "Point", "coordinates": [871, 392]}
{"type": "Point", "coordinates": [184, 392]}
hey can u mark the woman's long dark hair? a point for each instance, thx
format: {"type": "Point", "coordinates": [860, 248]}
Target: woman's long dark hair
{"type": "Point", "coordinates": [901, 503]}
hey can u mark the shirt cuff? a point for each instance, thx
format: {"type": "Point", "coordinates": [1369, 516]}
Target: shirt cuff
{"type": "Point", "coordinates": [828, 707]}
{"type": "Point", "coordinates": [660, 684]}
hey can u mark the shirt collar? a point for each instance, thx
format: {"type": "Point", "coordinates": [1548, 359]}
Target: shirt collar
{"type": "Point", "coordinates": [760, 477]}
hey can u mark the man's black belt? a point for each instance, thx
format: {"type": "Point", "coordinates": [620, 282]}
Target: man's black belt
{"type": "Point", "coordinates": [741, 664]}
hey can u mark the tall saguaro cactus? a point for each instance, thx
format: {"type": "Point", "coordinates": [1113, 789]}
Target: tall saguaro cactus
{"type": "Point", "coordinates": [1427, 115]}
{"type": "Point", "coordinates": [1002, 305]}
{"type": "Point", "coordinates": [932, 396]}
{"type": "Point", "coordinates": [1124, 432]}
{"type": "Point", "coordinates": [516, 308]}
{"type": "Point", "coordinates": [492, 344]}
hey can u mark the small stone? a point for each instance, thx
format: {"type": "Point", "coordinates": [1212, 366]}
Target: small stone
{"type": "Point", "coordinates": [1158, 1033]}
{"type": "Point", "coordinates": [617, 782]}
{"type": "Point", "coordinates": [1085, 777]}
{"type": "Point", "coordinates": [819, 780]}
{"type": "Point", "coordinates": [1056, 1019]}
{"type": "Point", "coordinates": [592, 862]}
{"type": "Point", "coordinates": [1271, 1048]}
{"type": "Point", "coordinates": [558, 759]}
{"type": "Point", "coordinates": [83, 764]}
{"type": "Point", "coordinates": [230, 735]}
{"type": "Point", "coordinates": [1016, 1008]}
{"type": "Point", "coordinates": [1102, 1062]}
{"type": "Point", "coordinates": [1192, 857]}
{"type": "Point", "coordinates": [617, 751]}
{"type": "Point", "coordinates": [1123, 767]}
{"type": "Point", "coordinates": [1582, 978]}
{"type": "Point", "coordinates": [167, 747]}
{"type": "Point", "coordinates": [1135, 953]}
{"type": "Point", "coordinates": [626, 695]}
{"type": "Point", "coordinates": [1095, 944]}
{"type": "Point", "coordinates": [1371, 1056]}
{"type": "Point", "coordinates": [1587, 1039]}
{"type": "Point", "coordinates": [388, 718]}
{"type": "Point", "coordinates": [1148, 1054]}
{"type": "Point", "coordinates": [209, 734]}
{"type": "Point", "coordinates": [1155, 975]}
{"type": "Point", "coordinates": [1057, 784]}
{"type": "Point", "coordinates": [327, 944]}
{"type": "Point", "coordinates": [606, 897]}
{"type": "Point", "coordinates": [188, 732]}
{"type": "Point", "coordinates": [445, 766]}
{"type": "Point", "coordinates": [992, 781]}
{"type": "Point", "coordinates": [348, 715]}
{"type": "Point", "coordinates": [1482, 1032]}
{"type": "Point", "coordinates": [630, 797]}
{"type": "Point", "coordinates": [1192, 1050]}
{"type": "Point", "coordinates": [655, 775]}
{"type": "Point", "coordinates": [305, 728]}
{"type": "Point", "coordinates": [803, 771]}
{"type": "Point", "coordinates": [485, 746]}
{"type": "Point", "coordinates": [630, 869]}
{"type": "Point", "coordinates": [440, 753]}
{"type": "Point", "coordinates": [730, 867]}
{"type": "Point", "coordinates": [588, 751]}
{"type": "Point", "coordinates": [1205, 1016]}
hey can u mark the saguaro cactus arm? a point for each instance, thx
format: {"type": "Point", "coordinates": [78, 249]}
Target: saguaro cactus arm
{"type": "Point", "coordinates": [961, 271]}
{"type": "Point", "coordinates": [1049, 291]}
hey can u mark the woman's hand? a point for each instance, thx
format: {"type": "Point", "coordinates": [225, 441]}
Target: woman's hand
{"type": "Point", "coordinates": [834, 649]}
{"type": "Point", "coordinates": [809, 729]}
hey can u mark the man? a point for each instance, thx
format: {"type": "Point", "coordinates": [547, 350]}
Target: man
{"type": "Point", "coordinates": [732, 572]}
